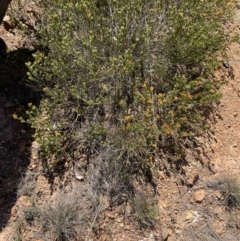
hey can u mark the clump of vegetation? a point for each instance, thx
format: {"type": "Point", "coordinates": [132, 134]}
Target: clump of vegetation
{"type": "Point", "coordinates": [62, 219]}
{"type": "Point", "coordinates": [146, 209]}
{"type": "Point", "coordinates": [27, 184]}
{"type": "Point", "coordinates": [131, 79]}
{"type": "Point", "coordinates": [59, 219]}
{"type": "Point", "coordinates": [230, 189]}
{"type": "Point", "coordinates": [138, 75]}
{"type": "Point", "coordinates": [232, 193]}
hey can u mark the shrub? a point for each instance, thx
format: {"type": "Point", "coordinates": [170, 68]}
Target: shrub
{"type": "Point", "coordinates": [146, 209]}
{"type": "Point", "coordinates": [135, 75]}
{"type": "Point", "coordinates": [65, 218]}
{"type": "Point", "coordinates": [230, 189]}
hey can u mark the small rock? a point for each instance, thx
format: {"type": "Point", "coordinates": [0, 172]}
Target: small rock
{"type": "Point", "coordinates": [66, 164]}
{"type": "Point", "coordinates": [29, 9]}
{"type": "Point", "coordinates": [199, 195]}
{"type": "Point", "coordinates": [235, 114]}
{"type": "Point", "coordinates": [13, 211]}
{"type": "Point", "coordinates": [218, 210]}
{"type": "Point", "coordinates": [32, 167]}
{"type": "Point", "coordinates": [111, 215]}
{"type": "Point", "coordinates": [235, 145]}
{"type": "Point", "coordinates": [79, 177]}
{"type": "Point", "coordinates": [189, 215]}
{"type": "Point", "coordinates": [24, 201]}
{"type": "Point", "coordinates": [192, 178]}
{"type": "Point", "coordinates": [35, 149]}
{"type": "Point", "coordinates": [165, 234]}
{"type": "Point", "coordinates": [56, 180]}
{"type": "Point", "coordinates": [128, 227]}
{"type": "Point", "coordinates": [218, 194]}
{"type": "Point", "coordinates": [121, 225]}
{"type": "Point", "coordinates": [227, 64]}
{"type": "Point", "coordinates": [7, 23]}
{"type": "Point", "coordinates": [187, 218]}
{"type": "Point", "coordinates": [218, 227]}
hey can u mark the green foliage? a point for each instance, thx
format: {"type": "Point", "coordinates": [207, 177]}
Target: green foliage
{"type": "Point", "coordinates": [131, 74]}
{"type": "Point", "coordinates": [230, 188]}
{"type": "Point", "coordinates": [146, 209]}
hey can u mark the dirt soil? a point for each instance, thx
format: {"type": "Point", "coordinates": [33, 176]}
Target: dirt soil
{"type": "Point", "coordinates": [194, 204]}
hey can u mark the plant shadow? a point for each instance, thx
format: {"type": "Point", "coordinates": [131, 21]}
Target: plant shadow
{"type": "Point", "coordinates": [15, 137]}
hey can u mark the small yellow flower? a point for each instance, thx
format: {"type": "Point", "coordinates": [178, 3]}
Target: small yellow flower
{"type": "Point", "coordinates": [147, 114]}
{"type": "Point", "coordinates": [230, 4]}
{"type": "Point", "coordinates": [129, 62]}
{"type": "Point", "coordinates": [56, 133]}
{"type": "Point", "coordinates": [150, 102]}
{"type": "Point", "coordinates": [89, 15]}
{"type": "Point", "coordinates": [121, 103]}
{"type": "Point", "coordinates": [220, 11]}
{"type": "Point", "coordinates": [171, 113]}
{"type": "Point", "coordinates": [168, 132]}
{"type": "Point", "coordinates": [149, 159]}
{"type": "Point", "coordinates": [128, 126]}
{"type": "Point", "coordinates": [178, 125]}
{"type": "Point", "coordinates": [15, 117]}
{"type": "Point", "coordinates": [160, 95]}
{"type": "Point", "coordinates": [144, 85]}
{"type": "Point", "coordinates": [127, 117]}
{"type": "Point", "coordinates": [154, 126]}
{"type": "Point", "coordinates": [188, 97]}
{"type": "Point", "coordinates": [151, 88]}
{"type": "Point", "coordinates": [175, 98]}
{"type": "Point", "coordinates": [29, 104]}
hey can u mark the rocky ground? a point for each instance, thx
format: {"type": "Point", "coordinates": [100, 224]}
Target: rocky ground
{"type": "Point", "coordinates": [199, 202]}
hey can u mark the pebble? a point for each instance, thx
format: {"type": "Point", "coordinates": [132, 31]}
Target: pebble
{"type": "Point", "coordinates": [199, 195]}
{"type": "Point", "coordinates": [7, 23]}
